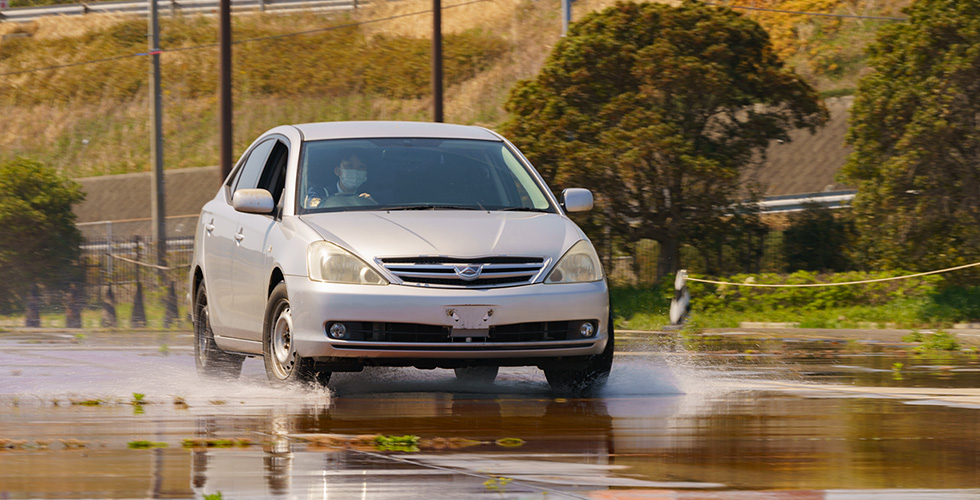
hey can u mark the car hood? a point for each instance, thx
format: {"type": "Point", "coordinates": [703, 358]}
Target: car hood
{"type": "Point", "coordinates": [447, 233]}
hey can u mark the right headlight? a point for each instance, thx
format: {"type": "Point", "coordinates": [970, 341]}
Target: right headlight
{"type": "Point", "coordinates": [580, 264]}
{"type": "Point", "coordinates": [328, 262]}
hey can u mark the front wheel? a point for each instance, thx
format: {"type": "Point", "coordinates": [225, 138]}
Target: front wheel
{"type": "Point", "coordinates": [210, 360]}
{"type": "Point", "coordinates": [283, 365]}
{"type": "Point", "coordinates": [590, 378]}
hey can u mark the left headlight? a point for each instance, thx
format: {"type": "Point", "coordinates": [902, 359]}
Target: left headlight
{"type": "Point", "coordinates": [580, 264]}
{"type": "Point", "coordinates": [328, 262]}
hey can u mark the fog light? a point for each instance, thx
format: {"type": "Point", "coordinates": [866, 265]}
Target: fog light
{"type": "Point", "coordinates": [338, 331]}
{"type": "Point", "coordinates": [587, 329]}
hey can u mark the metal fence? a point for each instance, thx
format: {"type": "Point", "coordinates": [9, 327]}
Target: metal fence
{"type": "Point", "coordinates": [175, 7]}
{"type": "Point", "coordinates": [637, 266]}
{"type": "Point", "coordinates": [123, 279]}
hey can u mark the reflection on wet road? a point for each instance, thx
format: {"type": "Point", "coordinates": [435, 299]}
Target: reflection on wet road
{"type": "Point", "coordinates": [124, 416]}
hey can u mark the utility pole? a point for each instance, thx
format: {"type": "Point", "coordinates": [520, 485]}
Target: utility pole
{"type": "Point", "coordinates": [566, 15]}
{"type": "Point", "coordinates": [224, 84]}
{"type": "Point", "coordinates": [156, 140]}
{"type": "Point", "coordinates": [437, 60]}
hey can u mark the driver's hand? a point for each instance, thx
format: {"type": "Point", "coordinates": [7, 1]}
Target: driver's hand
{"type": "Point", "coordinates": [364, 195]}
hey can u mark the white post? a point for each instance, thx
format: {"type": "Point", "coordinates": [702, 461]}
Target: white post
{"type": "Point", "coordinates": [680, 305]}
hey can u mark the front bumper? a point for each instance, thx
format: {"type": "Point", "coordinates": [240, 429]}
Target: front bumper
{"type": "Point", "coordinates": [469, 320]}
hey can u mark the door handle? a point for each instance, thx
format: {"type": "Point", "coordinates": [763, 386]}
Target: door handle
{"type": "Point", "coordinates": [239, 236]}
{"type": "Point", "coordinates": [209, 227]}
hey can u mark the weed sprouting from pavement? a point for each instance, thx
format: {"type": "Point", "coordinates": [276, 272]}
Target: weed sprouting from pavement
{"type": "Point", "coordinates": [897, 371]}
{"type": "Point", "coordinates": [397, 443]}
{"type": "Point", "coordinates": [145, 445]}
{"type": "Point", "coordinates": [216, 443]}
{"type": "Point", "coordinates": [939, 341]}
{"type": "Point", "coordinates": [88, 402]}
{"type": "Point", "coordinates": [497, 483]}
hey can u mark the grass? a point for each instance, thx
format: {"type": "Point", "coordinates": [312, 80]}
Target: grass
{"type": "Point", "coordinates": [92, 319]}
{"type": "Point", "coordinates": [931, 306]}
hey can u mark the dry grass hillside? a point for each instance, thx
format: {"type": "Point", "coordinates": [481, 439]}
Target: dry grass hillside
{"type": "Point", "coordinates": [91, 119]}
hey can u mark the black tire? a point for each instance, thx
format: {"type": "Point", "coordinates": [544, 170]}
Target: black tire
{"type": "Point", "coordinates": [482, 375]}
{"type": "Point", "coordinates": [283, 365]}
{"type": "Point", "coordinates": [590, 378]}
{"type": "Point", "coordinates": [210, 360]}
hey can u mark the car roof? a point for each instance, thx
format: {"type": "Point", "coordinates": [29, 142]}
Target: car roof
{"type": "Point", "coordinates": [378, 129]}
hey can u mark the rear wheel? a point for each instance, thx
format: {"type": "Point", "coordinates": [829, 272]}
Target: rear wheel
{"type": "Point", "coordinates": [590, 378]}
{"type": "Point", "coordinates": [477, 374]}
{"type": "Point", "coordinates": [283, 365]}
{"type": "Point", "coordinates": [210, 360]}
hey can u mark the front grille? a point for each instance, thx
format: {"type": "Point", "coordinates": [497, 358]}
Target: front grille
{"type": "Point", "coordinates": [542, 331]}
{"type": "Point", "coordinates": [451, 272]}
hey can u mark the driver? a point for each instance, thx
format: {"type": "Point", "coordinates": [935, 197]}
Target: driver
{"type": "Point", "coordinates": [351, 175]}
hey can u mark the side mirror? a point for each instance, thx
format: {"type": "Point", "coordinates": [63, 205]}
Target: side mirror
{"type": "Point", "coordinates": [576, 200]}
{"type": "Point", "coordinates": [253, 201]}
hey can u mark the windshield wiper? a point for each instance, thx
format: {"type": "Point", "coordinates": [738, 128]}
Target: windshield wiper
{"type": "Point", "coordinates": [525, 209]}
{"type": "Point", "coordinates": [432, 207]}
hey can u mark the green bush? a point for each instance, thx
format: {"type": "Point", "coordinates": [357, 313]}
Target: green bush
{"type": "Point", "coordinates": [815, 240]}
{"type": "Point", "coordinates": [955, 303]}
{"type": "Point", "coordinates": [708, 297]}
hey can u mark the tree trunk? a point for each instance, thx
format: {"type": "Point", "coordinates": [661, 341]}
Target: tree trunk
{"type": "Point", "coordinates": [669, 257]}
{"type": "Point", "coordinates": [32, 317]}
{"type": "Point", "coordinates": [138, 319]}
{"type": "Point", "coordinates": [73, 308]}
{"type": "Point", "coordinates": [109, 309]}
{"type": "Point", "coordinates": [170, 305]}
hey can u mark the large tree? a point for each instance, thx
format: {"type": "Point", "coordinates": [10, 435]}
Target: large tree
{"type": "Point", "coordinates": [658, 110]}
{"type": "Point", "coordinates": [40, 243]}
{"type": "Point", "coordinates": [915, 128]}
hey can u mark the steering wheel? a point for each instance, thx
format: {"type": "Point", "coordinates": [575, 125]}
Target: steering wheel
{"type": "Point", "coordinates": [349, 200]}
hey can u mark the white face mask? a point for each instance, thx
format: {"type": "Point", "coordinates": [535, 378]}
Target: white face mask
{"type": "Point", "coordinates": [352, 179]}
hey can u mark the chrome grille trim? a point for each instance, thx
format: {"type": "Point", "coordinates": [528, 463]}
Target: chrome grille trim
{"type": "Point", "coordinates": [441, 271]}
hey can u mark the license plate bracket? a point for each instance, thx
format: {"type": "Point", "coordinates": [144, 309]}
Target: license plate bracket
{"type": "Point", "coordinates": [471, 320]}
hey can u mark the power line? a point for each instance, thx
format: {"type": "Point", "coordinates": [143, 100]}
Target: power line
{"type": "Point", "coordinates": [237, 42]}
{"type": "Point", "coordinates": [803, 13]}
{"type": "Point", "coordinates": [69, 65]}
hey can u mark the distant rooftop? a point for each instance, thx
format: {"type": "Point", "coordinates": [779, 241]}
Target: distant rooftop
{"type": "Point", "coordinates": [808, 163]}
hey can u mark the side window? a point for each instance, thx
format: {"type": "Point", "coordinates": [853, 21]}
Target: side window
{"type": "Point", "coordinates": [254, 165]}
{"type": "Point", "coordinates": [273, 176]}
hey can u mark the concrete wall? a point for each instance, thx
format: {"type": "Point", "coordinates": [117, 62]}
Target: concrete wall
{"type": "Point", "coordinates": [119, 205]}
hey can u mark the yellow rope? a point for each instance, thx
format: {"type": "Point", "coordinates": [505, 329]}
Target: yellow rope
{"type": "Point", "coordinates": [138, 263]}
{"type": "Point", "coordinates": [957, 268]}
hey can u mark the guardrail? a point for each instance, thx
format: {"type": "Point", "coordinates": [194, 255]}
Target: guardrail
{"type": "Point", "coordinates": [174, 7]}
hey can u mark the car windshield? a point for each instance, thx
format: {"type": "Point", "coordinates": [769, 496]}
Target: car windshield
{"type": "Point", "coordinates": [415, 174]}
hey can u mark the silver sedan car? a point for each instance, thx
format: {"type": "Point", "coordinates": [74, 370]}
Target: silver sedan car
{"type": "Point", "coordinates": [335, 246]}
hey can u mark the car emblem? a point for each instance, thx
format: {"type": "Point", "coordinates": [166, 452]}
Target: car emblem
{"type": "Point", "coordinates": [468, 273]}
